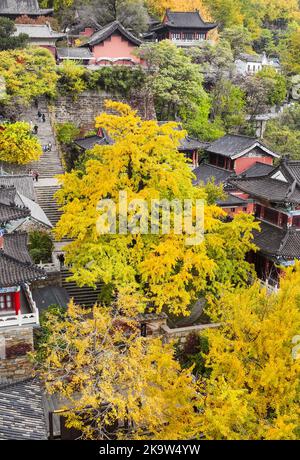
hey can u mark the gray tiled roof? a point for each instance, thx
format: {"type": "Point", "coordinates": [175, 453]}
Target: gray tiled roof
{"type": "Point", "coordinates": [37, 31]}
{"type": "Point", "coordinates": [9, 211]}
{"type": "Point", "coordinates": [231, 145]}
{"type": "Point", "coordinates": [21, 412]}
{"type": "Point", "coordinates": [16, 266]}
{"type": "Point", "coordinates": [108, 30]}
{"type": "Point", "coordinates": [187, 19]}
{"type": "Point", "coordinates": [278, 242]}
{"type": "Point", "coordinates": [206, 172]}
{"type": "Point", "coordinates": [292, 167]}
{"type": "Point", "coordinates": [74, 53]}
{"type": "Point", "coordinates": [272, 190]}
{"type": "Point", "coordinates": [258, 170]}
{"type": "Point", "coordinates": [232, 200]}
{"type": "Point", "coordinates": [87, 143]}
{"type": "Point", "coordinates": [50, 295]}
{"type": "Point", "coordinates": [22, 183]}
{"type": "Point", "coordinates": [250, 57]}
{"type": "Point", "coordinates": [21, 7]}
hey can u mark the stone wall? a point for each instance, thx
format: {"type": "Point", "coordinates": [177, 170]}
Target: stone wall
{"type": "Point", "coordinates": [89, 104]}
{"type": "Point", "coordinates": [14, 346]}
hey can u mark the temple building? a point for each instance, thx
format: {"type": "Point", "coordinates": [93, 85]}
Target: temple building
{"type": "Point", "coordinates": [17, 271]}
{"type": "Point", "coordinates": [40, 35]}
{"type": "Point", "coordinates": [14, 8]}
{"type": "Point", "coordinates": [182, 28]}
{"type": "Point", "coordinates": [276, 197]}
{"type": "Point", "coordinates": [113, 45]}
{"type": "Point", "coordinates": [232, 156]}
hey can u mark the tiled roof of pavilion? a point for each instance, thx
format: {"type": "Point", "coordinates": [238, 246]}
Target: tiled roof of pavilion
{"type": "Point", "coordinates": [257, 170]}
{"type": "Point", "coordinates": [278, 242]}
{"type": "Point", "coordinates": [23, 183]}
{"type": "Point", "coordinates": [234, 145]}
{"type": "Point", "coordinates": [87, 143]}
{"type": "Point", "coordinates": [206, 172]}
{"type": "Point", "coordinates": [280, 185]}
{"type": "Point", "coordinates": [16, 266]}
{"type": "Point", "coordinates": [107, 31]}
{"type": "Point", "coordinates": [9, 210]}
{"type": "Point", "coordinates": [38, 31]}
{"type": "Point", "coordinates": [21, 411]}
{"type": "Point", "coordinates": [185, 20]}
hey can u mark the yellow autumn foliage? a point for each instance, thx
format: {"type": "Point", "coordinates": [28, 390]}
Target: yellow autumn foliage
{"type": "Point", "coordinates": [253, 391]}
{"type": "Point", "coordinates": [17, 144]}
{"type": "Point", "coordinates": [108, 373]}
{"type": "Point", "coordinates": [144, 161]}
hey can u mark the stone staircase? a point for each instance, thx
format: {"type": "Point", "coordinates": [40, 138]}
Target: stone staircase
{"type": "Point", "coordinates": [46, 199]}
{"type": "Point", "coordinates": [49, 165]}
{"type": "Point", "coordinates": [84, 296]}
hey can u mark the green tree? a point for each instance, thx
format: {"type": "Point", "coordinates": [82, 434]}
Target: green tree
{"type": "Point", "coordinates": [239, 39]}
{"type": "Point", "coordinates": [175, 82]}
{"type": "Point", "coordinates": [277, 84]}
{"type": "Point", "coordinates": [283, 134]}
{"type": "Point", "coordinates": [40, 246]}
{"type": "Point", "coordinates": [228, 104]}
{"type": "Point", "coordinates": [7, 40]}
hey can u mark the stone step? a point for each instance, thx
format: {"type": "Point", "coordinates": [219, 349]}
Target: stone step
{"type": "Point", "coordinates": [84, 296]}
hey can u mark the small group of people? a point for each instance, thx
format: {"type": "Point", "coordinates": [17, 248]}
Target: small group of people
{"type": "Point", "coordinates": [34, 174]}
{"type": "Point", "coordinates": [41, 116]}
{"type": "Point", "coordinates": [47, 147]}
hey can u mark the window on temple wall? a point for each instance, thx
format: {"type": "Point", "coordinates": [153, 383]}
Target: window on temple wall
{"type": "Point", "coordinates": [188, 36]}
{"type": "Point", "coordinates": [176, 36]}
{"type": "Point", "coordinates": [6, 302]}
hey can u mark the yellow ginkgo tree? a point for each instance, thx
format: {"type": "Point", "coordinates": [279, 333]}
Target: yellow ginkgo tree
{"type": "Point", "coordinates": [143, 161]}
{"type": "Point", "coordinates": [17, 144]}
{"type": "Point", "coordinates": [253, 391]}
{"type": "Point", "coordinates": [116, 384]}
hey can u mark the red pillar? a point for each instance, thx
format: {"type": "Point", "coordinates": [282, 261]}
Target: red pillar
{"type": "Point", "coordinates": [17, 302]}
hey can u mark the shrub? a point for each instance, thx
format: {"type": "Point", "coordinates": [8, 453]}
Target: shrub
{"type": "Point", "coordinates": [40, 246]}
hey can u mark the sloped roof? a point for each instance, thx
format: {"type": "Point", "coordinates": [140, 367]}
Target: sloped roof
{"type": "Point", "coordinates": [38, 31]}
{"type": "Point", "coordinates": [272, 190]}
{"type": "Point", "coordinates": [9, 210]}
{"type": "Point", "coordinates": [250, 57]}
{"type": "Point", "coordinates": [278, 242]}
{"type": "Point", "coordinates": [258, 170]}
{"type": "Point", "coordinates": [235, 145]}
{"type": "Point", "coordinates": [206, 172]}
{"type": "Point", "coordinates": [22, 183]}
{"type": "Point", "coordinates": [232, 200]}
{"type": "Point", "coordinates": [87, 143]}
{"type": "Point", "coordinates": [21, 411]}
{"type": "Point", "coordinates": [187, 19]}
{"type": "Point", "coordinates": [74, 53]}
{"type": "Point", "coordinates": [50, 295]}
{"type": "Point", "coordinates": [16, 266]}
{"type": "Point", "coordinates": [107, 31]}
{"type": "Point", "coordinates": [22, 7]}
{"type": "Point", "coordinates": [35, 210]}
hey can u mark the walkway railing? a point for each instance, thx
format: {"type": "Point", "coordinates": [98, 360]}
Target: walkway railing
{"type": "Point", "coordinates": [20, 319]}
